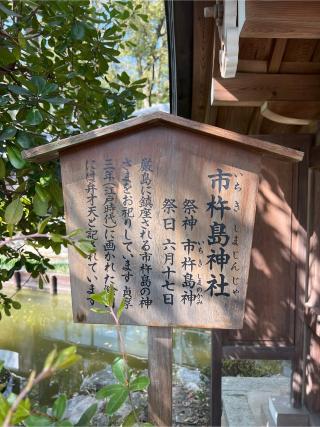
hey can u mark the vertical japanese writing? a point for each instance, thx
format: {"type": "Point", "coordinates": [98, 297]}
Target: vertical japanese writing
{"type": "Point", "coordinates": [169, 246]}
{"type": "Point", "coordinates": [235, 241]}
{"type": "Point", "coordinates": [127, 214]}
{"type": "Point", "coordinates": [218, 239]}
{"type": "Point", "coordinates": [110, 221]}
{"type": "Point", "coordinates": [92, 232]}
{"type": "Point", "coordinates": [145, 206]}
{"type": "Point", "coordinates": [192, 289]}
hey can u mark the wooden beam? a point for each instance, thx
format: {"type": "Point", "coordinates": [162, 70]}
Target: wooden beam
{"type": "Point", "coordinates": [301, 254]}
{"type": "Point", "coordinates": [203, 46]}
{"type": "Point", "coordinates": [300, 67]}
{"type": "Point", "coordinates": [288, 140]}
{"type": "Point", "coordinates": [275, 352]}
{"type": "Point", "coordinates": [249, 87]}
{"type": "Point", "coordinates": [160, 373]}
{"type": "Point", "coordinates": [252, 66]}
{"type": "Point", "coordinates": [216, 378]}
{"type": "Point", "coordinates": [312, 318]}
{"type": "Point", "coordinates": [315, 157]}
{"type": "Point", "coordinates": [51, 151]}
{"type": "Point", "coordinates": [277, 55]}
{"type": "Point", "coordinates": [282, 19]}
{"type": "Point", "coordinates": [284, 119]}
{"type": "Point", "coordinates": [309, 110]}
{"type": "Point", "coordinates": [255, 123]}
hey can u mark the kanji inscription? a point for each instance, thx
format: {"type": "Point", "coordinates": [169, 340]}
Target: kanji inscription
{"type": "Point", "coordinates": [172, 232]}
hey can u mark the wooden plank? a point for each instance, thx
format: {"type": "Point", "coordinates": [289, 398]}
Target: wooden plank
{"type": "Point", "coordinates": [300, 67]}
{"type": "Point", "coordinates": [273, 116]}
{"type": "Point", "coordinates": [216, 378]}
{"type": "Point", "coordinates": [294, 140]}
{"type": "Point", "coordinates": [178, 162]}
{"type": "Point", "coordinates": [262, 352]}
{"type": "Point", "coordinates": [315, 157]}
{"type": "Point", "coordinates": [300, 50]}
{"type": "Point", "coordinates": [312, 394]}
{"type": "Point", "coordinates": [312, 317]}
{"type": "Point", "coordinates": [269, 315]}
{"type": "Point", "coordinates": [267, 87]}
{"type": "Point", "coordinates": [282, 19]}
{"type": "Point", "coordinates": [312, 398]}
{"type": "Point", "coordinates": [222, 103]}
{"type": "Point", "coordinates": [180, 44]}
{"type": "Point", "coordinates": [160, 374]}
{"type": "Point", "coordinates": [255, 49]}
{"type": "Point", "coordinates": [277, 55]}
{"type": "Point", "coordinates": [296, 109]}
{"type": "Point", "coordinates": [51, 151]}
{"type": "Point", "coordinates": [203, 47]}
{"type": "Point", "coordinates": [252, 66]}
{"type": "Point", "coordinates": [255, 123]}
{"type": "Point", "coordinates": [300, 252]}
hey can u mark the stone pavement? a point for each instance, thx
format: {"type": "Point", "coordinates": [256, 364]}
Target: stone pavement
{"type": "Point", "coordinates": [245, 399]}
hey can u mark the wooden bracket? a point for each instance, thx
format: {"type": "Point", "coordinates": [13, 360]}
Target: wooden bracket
{"type": "Point", "coordinates": [229, 18]}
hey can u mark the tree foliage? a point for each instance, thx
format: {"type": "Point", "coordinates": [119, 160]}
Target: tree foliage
{"type": "Point", "coordinates": [57, 62]}
{"type": "Point", "coordinates": [146, 53]}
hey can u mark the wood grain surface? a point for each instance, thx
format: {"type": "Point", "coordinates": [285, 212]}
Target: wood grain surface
{"type": "Point", "coordinates": [181, 165]}
{"type": "Point", "coordinates": [51, 151]}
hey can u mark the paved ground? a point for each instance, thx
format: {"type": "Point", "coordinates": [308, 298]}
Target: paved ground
{"type": "Point", "coordinates": [245, 399]}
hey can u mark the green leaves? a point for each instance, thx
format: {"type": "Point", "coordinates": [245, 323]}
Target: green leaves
{"type": "Point", "coordinates": [140, 383]}
{"type": "Point", "coordinates": [37, 421]}
{"type": "Point", "coordinates": [109, 390]}
{"type": "Point", "coordinates": [120, 371]}
{"type": "Point", "coordinates": [8, 133]}
{"type": "Point", "coordinates": [116, 401]}
{"type": "Point", "coordinates": [78, 31]}
{"type": "Point", "coordinates": [121, 308]}
{"type": "Point", "coordinates": [40, 206]}
{"type": "Point", "coordinates": [15, 158]}
{"type": "Point", "coordinates": [124, 78]}
{"type": "Point", "coordinates": [22, 412]}
{"type": "Point", "coordinates": [39, 83]}
{"type": "Point", "coordinates": [59, 406]}
{"type": "Point", "coordinates": [117, 394]}
{"type": "Point", "coordinates": [24, 139]}
{"type": "Point", "coordinates": [6, 56]}
{"type": "Point", "coordinates": [33, 117]}
{"type": "Point", "coordinates": [85, 247]}
{"type": "Point", "coordinates": [52, 89]}
{"type": "Point", "coordinates": [19, 90]}
{"type": "Point", "coordinates": [66, 358]}
{"type": "Point", "coordinates": [14, 212]}
{"type": "Point", "coordinates": [106, 297]}
{"type": "Point", "coordinates": [86, 417]}
{"type": "Point", "coordinates": [56, 100]}
{"type": "Point", "coordinates": [2, 168]}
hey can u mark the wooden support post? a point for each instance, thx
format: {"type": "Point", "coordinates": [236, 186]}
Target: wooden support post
{"type": "Point", "coordinates": [301, 253]}
{"type": "Point", "coordinates": [17, 279]}
{"type": "Point", "coordinates": [216, 376]}
{"type": "Point", "coordinates": [54, 285]}
{"type": "Point", "coordinates": [160, 373]}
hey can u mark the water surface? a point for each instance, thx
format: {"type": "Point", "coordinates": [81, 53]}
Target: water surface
{"type": "Point", "coordinates": [45, 320]}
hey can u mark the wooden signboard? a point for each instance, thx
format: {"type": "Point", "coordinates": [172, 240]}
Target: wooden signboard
{"type": "Point", "coordinates": [170, 206]}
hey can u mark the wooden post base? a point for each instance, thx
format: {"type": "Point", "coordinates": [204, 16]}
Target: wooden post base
{"type": "Point", "coordinates": [160, 373]}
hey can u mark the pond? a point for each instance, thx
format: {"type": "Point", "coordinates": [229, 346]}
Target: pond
{"type": "Point", "coordinates": [45, 320]}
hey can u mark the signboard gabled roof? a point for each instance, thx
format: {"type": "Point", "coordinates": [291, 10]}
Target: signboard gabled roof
{"type": "Point", "coordinates": [51, 151]}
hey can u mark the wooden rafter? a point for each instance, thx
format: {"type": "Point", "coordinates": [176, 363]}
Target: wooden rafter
{"type": "Point", "coordinates": [254, 87]}
{"type": "Point", "coordinates": [282, 19]}
{"type": "Point", "coordinates": [277, 55]}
